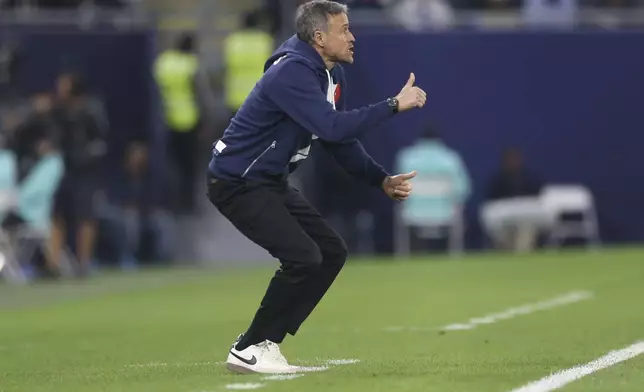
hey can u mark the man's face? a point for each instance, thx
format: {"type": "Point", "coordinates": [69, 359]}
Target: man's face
{"type": "Point", "coordinates": [64, 87]}
{"type": "Point", "coordinates": [42, 103]}
{"type": "Point", "coordinates": [513, 161]}
{"type": "Point", "coordinates": [338, 40]}
{"type": "Point", "coordinates": [137, 158]}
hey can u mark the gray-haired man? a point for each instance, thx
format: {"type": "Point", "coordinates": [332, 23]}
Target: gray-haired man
{"type": "Point", "coordinates": [298, 100]}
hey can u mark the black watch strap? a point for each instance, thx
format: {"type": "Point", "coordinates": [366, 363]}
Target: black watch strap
{"type": "Point", "coordinates": [393, 104]}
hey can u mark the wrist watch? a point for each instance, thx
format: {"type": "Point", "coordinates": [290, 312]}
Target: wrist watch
{"type": "Point", "coordinates": [393, 104]}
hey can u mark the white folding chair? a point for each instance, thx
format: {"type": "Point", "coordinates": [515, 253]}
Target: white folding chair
{"type": "Point", "coordinates": [559, 200]}
{"type": "Point", "coordinates": [9, 267]}
{"type": "Point", "coordinates": [21, 246]}
{"type": "Point", "coordinates": [33, 197]}
{"type": "Point", "coordinates": [450, 225]}
{"type": "Point", "coordinates": [505, 219]}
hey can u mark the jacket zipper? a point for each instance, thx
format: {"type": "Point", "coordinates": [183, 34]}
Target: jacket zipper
{"type": "Point", "coordinates": [257, 159]}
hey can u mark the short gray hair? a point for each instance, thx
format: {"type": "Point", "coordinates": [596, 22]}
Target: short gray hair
{"type": "Point", "coordinates": [314, 16]}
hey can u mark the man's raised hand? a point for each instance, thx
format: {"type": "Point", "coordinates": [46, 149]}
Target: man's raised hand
{"type": "Point", "coordinates": [411, 96]}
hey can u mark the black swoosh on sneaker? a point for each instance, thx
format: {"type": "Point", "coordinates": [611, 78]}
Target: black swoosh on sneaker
{"type": "Point", "coordinates": [251, 361]}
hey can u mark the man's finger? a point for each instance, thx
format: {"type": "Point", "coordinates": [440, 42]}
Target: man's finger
{"type": "Point", "coordinates": [399, 193]}
{"type": "Point", "coordinates": [406, 187]}
{"type": "Point", "coordinates": [412, 79]}
{"type": "Point", "coordinates": [408, 176]}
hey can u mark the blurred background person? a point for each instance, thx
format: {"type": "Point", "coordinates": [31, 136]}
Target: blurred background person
{"type": "Point", "coordinates": [513, 214]}
{"type": "Point", "coordinates": [28, 183]}
{"type": "Point", "coordinates": [423, 14]}
{"type": "Point", "coordinates": [83, 127]}
{"type": "Point", "coordinates": [40, 123]}
{"type": "Point", "coordinates": [441, 190]}
{"type": "Point", "coordinates": [135, 209]}
{"type": "Point", "coordinates": [245, 52]}
{"type": "Point", "coordinates": [513, 179]}
{"type": "Point", "coordinates": [186, 98]}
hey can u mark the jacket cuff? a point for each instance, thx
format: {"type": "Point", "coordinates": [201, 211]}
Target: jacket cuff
{"type": "Point", "coordinates": [378, 176]}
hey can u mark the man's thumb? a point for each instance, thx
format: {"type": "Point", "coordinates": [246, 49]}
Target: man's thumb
{"type": "Point", "coordinates": [412, 79]}
{"type": "Point", "coordinates": [409, 176]}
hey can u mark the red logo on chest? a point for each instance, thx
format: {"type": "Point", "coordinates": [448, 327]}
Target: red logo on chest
{"type": "Point", "coordinates": [337, 93]}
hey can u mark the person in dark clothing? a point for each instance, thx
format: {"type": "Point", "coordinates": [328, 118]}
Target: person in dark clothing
{"type": "Point", "coordinates": [187, 100]}
{"type": "Point", "coordinates": [39, 124]}
{"type": "Point", "coordinates": [83, 126]}
{"type": "Point", "coordinates": [513, 180]}
{"type": "Point", "coordinates": [298, 100]}
{"type": "Point", "coordinates": [136, 207]}
{"type": "Point", "coordinates": [512, 214]}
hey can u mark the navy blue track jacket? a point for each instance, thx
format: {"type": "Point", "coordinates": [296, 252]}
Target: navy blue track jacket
{"type": "Point", "coordinates": [295, 102]}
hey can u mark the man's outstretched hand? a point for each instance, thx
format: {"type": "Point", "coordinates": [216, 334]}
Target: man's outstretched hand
{"type": "Point", "coordinates": [398, 187]}
{"type": "Point", "coordinates": [411, 96]}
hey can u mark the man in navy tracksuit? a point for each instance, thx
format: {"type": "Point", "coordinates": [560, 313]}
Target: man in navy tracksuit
{"type": "Point", "coordinates": [299, 100]}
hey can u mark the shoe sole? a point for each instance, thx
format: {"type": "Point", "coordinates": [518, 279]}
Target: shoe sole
{"type": "Point", "coordinates": [239, 369]}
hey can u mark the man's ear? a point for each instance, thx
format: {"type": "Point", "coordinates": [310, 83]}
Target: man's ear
{"type": "Point", "coordinates": [318, 38]}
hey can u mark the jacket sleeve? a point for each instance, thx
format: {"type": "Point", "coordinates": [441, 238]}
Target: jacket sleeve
{"type": "Point", "coordinates": [355, 161]}
{"type": "Point", "coordinates": [295, 89]}
{"type": "Point", "coordinates": [351, 155]}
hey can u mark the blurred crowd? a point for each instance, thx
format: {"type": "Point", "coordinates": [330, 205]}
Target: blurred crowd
{"type": "Point", "coordinates": [463, 4]}
{"type": "Point", "coordinates": [64, 209]}
{"type": "Point", "coordinates": [59, 213]}
{"type": "Point", "coordinates": [61, 4]}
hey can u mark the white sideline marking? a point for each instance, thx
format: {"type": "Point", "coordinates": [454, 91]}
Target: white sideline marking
{"type": "Point", "coordinates": [393, 329]}
{"type": "Point", "coordinates": [561, 378]}
{"type": "Point", "coordinates": [342, 361]}
{"type": "Point", "coordinates": [565, 299]}
{"type": "Point", "coordinates": [307, 369]}
{"type": "Point", "coordinates": [458, 327]}
{"type": "Point", "coordinates": [282, 377]}
{"type": "Point", "coordinates": [144, 365]}
{"type": "Point", "coordinates": [244, 386]}
{"type": "Point", "coordinates": [285, 377]}
{"type": "Point", "coordinates": [163, 364]}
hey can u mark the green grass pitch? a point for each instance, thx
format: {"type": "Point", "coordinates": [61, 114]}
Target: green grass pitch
{"type": "Point", "coordinates": [169, 330]}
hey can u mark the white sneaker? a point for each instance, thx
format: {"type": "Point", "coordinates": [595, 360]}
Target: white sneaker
{"type": "Point", "coordinates": [259, 358]}
{"type": "Point", "coordinates": [276, 354]}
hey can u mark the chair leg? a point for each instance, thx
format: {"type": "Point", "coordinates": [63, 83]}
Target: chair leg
{"type": "Point", "coordinates": [403, 241]}
{"type": "Point", "coordinates": [11, 269]}
{"type": "Point", "coordinates": [554, 237]}
{"type": "Point", "coordinates": [592, 231]}
{"type": "Point", "coordinates": [401, 236]}
{"type": "Point", "coordinates": [455, 234]}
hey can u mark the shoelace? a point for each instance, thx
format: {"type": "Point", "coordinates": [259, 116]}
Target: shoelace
{"type": "Point", "coordinates": [274, 349]}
